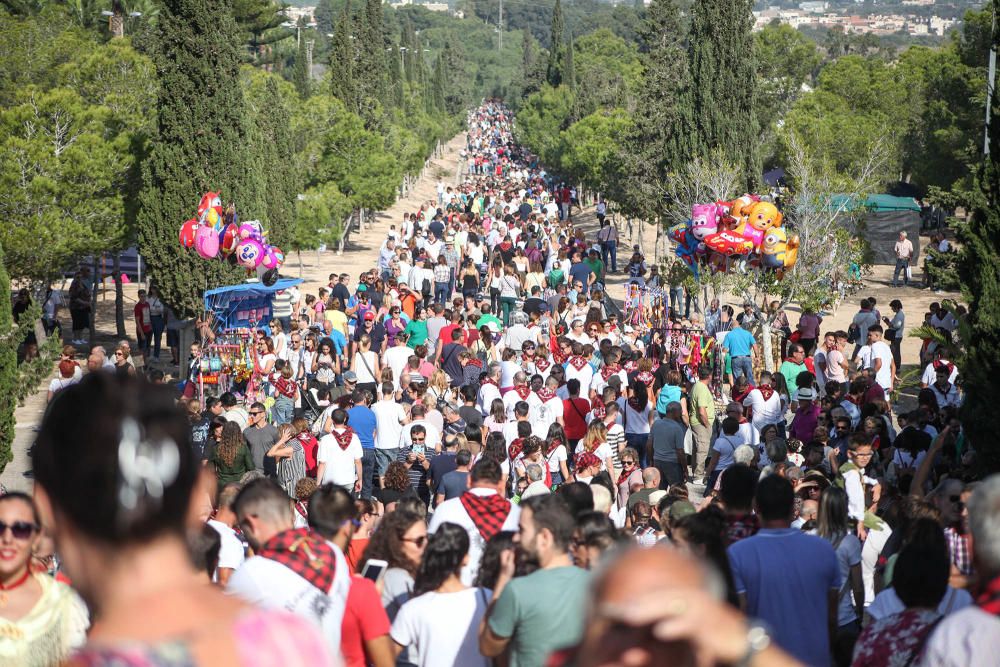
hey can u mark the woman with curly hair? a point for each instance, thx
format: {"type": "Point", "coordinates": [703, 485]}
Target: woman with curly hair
{"type": "Point", "coordinates": [399, 541]}
{"type": "Point", "coordinates": [441, 620]}
{"type": "Point", "coordinates": [395, 485]}
{"type": "Point", "coordinates": [232, 457]}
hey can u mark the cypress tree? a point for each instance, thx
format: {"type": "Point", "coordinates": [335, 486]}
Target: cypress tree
{"type": "Point", "coordinates": [528, 60]}
{"type": "Point", "coordinates": [438, 84]}
{"type": "Point", "coordinates": [324, 15]}
{"type": "Point", "coordinates": [981, 285]}
{"type": "Point", "coordinates": [396, 76]}
{"type": "Point", "coordinates": [723, 74]}
{"type": "Point", "coordinates": [661, 139]}
{"type": "Point", "coordinates": [412, 50]}
{"type": "Point", "coordinates": [272, 147]}
{"type": "Point", "coordinates": [372, 86]}
{"type": "Point", "coordinates": [8, 368]}
{"type": "Point", "coordinates": [300, 73]}
{"type": "Point", "coordinates": [569, 75]}
{"type": "Point", "coordinates": [554, 72]}
{"type": "Point", "coordinates": [200, 144]}
{"type": "Point", "coordinates": [342, 61]}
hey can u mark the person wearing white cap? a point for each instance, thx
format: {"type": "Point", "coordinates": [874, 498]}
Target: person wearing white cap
{"type": "Point", "coordinates": [806, 415]}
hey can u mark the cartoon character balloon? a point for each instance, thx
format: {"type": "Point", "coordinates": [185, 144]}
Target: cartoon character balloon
{"type": "Point", "coordinates": [206, 242]}
{"type": "Point", "coordinates": [704, 220]}
{"type": "Point", "coordinates": [188, 231]}
{"type": "Point", "coordinates": [249, 253]}
{"type": "Point", "coordinates": [210, 201]}
{"type": "Point", "coordinates": [758, 218]}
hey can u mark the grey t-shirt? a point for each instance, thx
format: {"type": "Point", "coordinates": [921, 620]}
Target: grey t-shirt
{"type": "Point", "coordinates": [260, 441]}
{"type": "Point", "coordinates": [667, 437]}
{"type": "Point", "coordinates": [453, 484]}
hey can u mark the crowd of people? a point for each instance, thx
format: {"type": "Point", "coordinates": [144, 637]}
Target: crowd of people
{"type": "Point", "coordinates": [466, 458]}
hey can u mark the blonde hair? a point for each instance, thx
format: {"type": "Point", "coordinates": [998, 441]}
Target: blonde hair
{"type": "Point", "coordinates": [597, 433]}
{"type": "Point", "coordinates": [440, 381]}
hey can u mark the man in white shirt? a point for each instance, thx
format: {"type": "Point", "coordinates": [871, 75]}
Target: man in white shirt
{"type": "Point", "coordinates": [579, 368]}
{"type": "Point", "coordinates": [389, 420]}
{"type": "Point", "coordinates": [489, 389]}
{"type": "Point", "coordinates": [881, 361]}
{"type": "Point", "coordinates": [765, 403]}
{"type": "Point", "coordinates": [231, 553]}
{"type": "Point", "coordinates": [517, 333]}
{"type": "Point", "coordinates": [482, 511]}
{"type": "Point", "coordinates": [277, 577]}
{"type": "Point", "coordinates": [520, 392]}
{"type": "Point", "coordinates": [903, 250]}
{"type": "Point", "coordinates": [339, 455]}
{"type": "Point", "coordinates": [550, 408]}
{"type": "Point", "coordinates": [396, 357]}
{"type": "Point", "coordinates": [929, 375]}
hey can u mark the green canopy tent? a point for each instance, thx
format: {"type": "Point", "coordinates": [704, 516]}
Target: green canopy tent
{"type": "Point", "coordinates": [880, 219]}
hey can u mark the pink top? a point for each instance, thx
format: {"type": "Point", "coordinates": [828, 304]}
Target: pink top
{"type": "Point", "coordinates": [261, 638]}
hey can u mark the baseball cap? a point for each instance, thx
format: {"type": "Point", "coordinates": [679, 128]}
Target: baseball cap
{"type": "Point", "coordinates": [350, 376]}
{"type": "Point", "coordinates": [369, 315]}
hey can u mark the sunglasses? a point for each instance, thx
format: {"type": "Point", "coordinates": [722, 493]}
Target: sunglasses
{"type": "Point", "coordinates": [259, 412]}
{"type": "Point", "coordinates": [21, 530]}
{"type": "Point", "coordinates": [417, 439]}
{"type": "Point", "coordinates": [417, 541]}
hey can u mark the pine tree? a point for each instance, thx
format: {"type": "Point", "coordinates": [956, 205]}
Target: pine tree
{"type": "Point", "coordinates": [723, 74]}
{"type": "Point", "coordinates": [200, 145]}
{"type": "Point", "coordinates": [661, 140]}
{"type": "Point", "coordinates": [981, 284]}
{"type": "Point", "coordinates": [324, 16]}
{"type": "Point", "coordinates": [342, 61]}
{"type": "Point", "coordinates": [556, 50]}
{"type": "Point", "coordinates": [300, 73]}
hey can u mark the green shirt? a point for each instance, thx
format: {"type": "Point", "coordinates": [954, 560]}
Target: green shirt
{"type": "Point", "coordinates": [486, 319]}
{"type": "Point", "coordinates": [701, 397]}
{"type": "Point", "coordinates": [791, 372]}
{"type": "Point", "coordinates": [541, 613]}
{"type": "Point", "coordinates": [597, 267]}
{"type": "Point", "coordinates": [416, 331]}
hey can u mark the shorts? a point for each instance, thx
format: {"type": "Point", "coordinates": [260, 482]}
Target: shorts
{"type": "Point", "coordinates": [383, 457]}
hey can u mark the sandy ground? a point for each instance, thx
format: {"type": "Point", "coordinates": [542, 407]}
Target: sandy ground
{"type": "Point", "coordinates": [361, 252]}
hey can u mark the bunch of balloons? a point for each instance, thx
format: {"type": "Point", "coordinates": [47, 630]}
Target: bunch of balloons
{"type": "Point", "coordinates": [746, 232]}
{"type": "Point", "coordinates": [218, 233]}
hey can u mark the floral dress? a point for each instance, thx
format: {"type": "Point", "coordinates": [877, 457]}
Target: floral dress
{"type": "Point", "coordinates": [892, 641]}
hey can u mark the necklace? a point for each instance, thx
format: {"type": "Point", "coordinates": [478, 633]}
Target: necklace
{"type": "Point", "coordinates": [9, 587]}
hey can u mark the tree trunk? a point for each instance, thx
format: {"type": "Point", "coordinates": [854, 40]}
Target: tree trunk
{"type": "Point", "coordinates": [299, 253]}
{"type": "Point", "coordinates": [119, 297]}
{"type": "Point", "coordinates": [96, 273]}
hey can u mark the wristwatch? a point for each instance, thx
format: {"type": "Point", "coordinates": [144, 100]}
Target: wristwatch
{"type": "Point", "coordinates": [758, 639]}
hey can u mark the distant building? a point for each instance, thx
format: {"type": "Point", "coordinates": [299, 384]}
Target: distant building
{"type": "Point", "coordinates": [814, 6]}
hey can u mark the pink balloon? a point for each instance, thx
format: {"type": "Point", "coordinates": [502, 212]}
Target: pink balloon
{"type": "Point", "coordinates": [206, 242]}
{"type": "Point", "coordinates": [249, 253]}
{"type": "Point", "coordinates": [273, 257]}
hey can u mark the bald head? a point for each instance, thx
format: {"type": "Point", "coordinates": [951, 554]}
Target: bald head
{"type": "Point", "coordinates": [651, 478]}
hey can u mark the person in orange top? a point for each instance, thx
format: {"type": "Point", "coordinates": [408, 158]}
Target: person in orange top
{"type": "Point", "coordinates": [408, 300]}
{"type": "Point", "coordinates": [369, 514]}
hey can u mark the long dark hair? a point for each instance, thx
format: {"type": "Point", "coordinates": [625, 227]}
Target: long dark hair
{"type": "Point", "coordinates": [387, 541]}
{"type": "Point", "coordinates": [640, 396]}
{"type": "Point", "coordinates": [446, 549]}
{"type": "Point", "coordinates": [229, 443]}
{"type": "Point", "coordinates": [705, 531]}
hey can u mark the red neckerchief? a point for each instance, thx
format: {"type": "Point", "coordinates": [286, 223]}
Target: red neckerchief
{"type": "Point", "coordinates": [552, 446]}
{"type": "Point", "coordinates": [487, 512]}
{"type": "Point", "coordinates": [598, 409]}
{"type": "Point", "coordinates": [542, 364]}
{"type": "Point", "coordinates": [609, 370]}
{"type": "Point", "coordinates": [738, 397]}
{"type": "Point", "coordinates": [989, 597]}
{"type": "Point", "coordinates": [766, 391]}
{"type": "Point", "coordinates": [577, 362]}
{"type": "Point", "coordinates": [629, 366]}
{"type": "Point", "coordinates": [302, 509]}
{"type": "Point", "coordinates": [546, 394]}
{"type": "Point", "coordinates": [522, 391]}
{"type": "Point", "coordinates": [487, 381]}
{"type": "Point", "coordinates": [558, 356]}
{"type": "Point", "coordinates": [625, 474]}
{"type": "Point", "coordinates": [645, 377]}
{"type": "Point", "coordinates": [475, 361]}
{"type": "Point", "coordinates": [343, 438]}
{"type": "Point", "coordinates": [515, 449]}
{"type": "Point", "coordinates": [304, 553]}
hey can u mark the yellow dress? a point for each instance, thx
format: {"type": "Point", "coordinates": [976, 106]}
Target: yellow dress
{"type": "Point", "coordinates": [45, 636]}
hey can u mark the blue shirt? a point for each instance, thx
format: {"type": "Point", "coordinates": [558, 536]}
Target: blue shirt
{"type": "Point", "coordinates": [363, 421]}
{"type": "Point", "coordinates": [339, 341]}
{"type": "Point", "coordinates": [786, 576]}
{"type": "Point", "coordinates": [738, 342]}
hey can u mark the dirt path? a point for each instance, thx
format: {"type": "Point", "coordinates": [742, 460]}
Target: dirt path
{"type": "Point", "coordinates": [360, 254]}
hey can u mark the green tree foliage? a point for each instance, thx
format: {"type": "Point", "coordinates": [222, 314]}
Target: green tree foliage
{"type": "Point", "coordinates": [9, 375]}
{"type": "Point", "coordinates": [531, 73]}
{"type": "Point", "coordinates": [319, 216]}
{"type": "Point", "coordinates": [569, 74]}
{"type": "Point", "coordinates": [723, 75]}
{"type": "Point", "coordinates": [541, 120]}
{"type": "Point", "coordinates": [662, 138]}
{"type": "Point", "coordinates": [342, 61]}
{"type": "Point", "coordinates": [981, 283]}
{"type": "Point", "coordinates": [260, 22]}
{"type": "Point", "coordinates": [324, 16]}
{"type": "Point", "coordinates": [608, 72]}
{"type": "Point", "coordinates": [557, 54]}
{"type": "Point", "coordinates": [371, 44]}
{"type": "Point", "coordinates": [590, 147]}
{"type": "Point", "coordinates": [301, 74]}
{"type": "Point", "coordinates": [200, 145]}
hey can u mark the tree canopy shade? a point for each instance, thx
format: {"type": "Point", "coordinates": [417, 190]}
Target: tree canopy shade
{"type": "Point", "coordinates": [591, 152]}
{"type": "Point", "coordinates": [200, 145]}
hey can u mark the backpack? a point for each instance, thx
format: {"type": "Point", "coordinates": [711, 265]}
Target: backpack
{"type": "Point", "coordinates": [853, 333]}
{"type": "Point", "coordinates": [425, 288]}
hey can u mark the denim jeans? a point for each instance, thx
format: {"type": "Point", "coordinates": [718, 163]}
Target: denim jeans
{"type": "Point", "coordinates": [441, 293]}
{"type": "Point", "coordinates": [609, 250]}
{"type": "Point", "coordinates": [367, 471]}
{"type": "Point", "coordinates": [670, 473]}
{"type": "Point", "coordinates": [901, 266]}
{"type": "Point", "coordinates": [742, 366]}
{"type": "Point", "coordinates": [676, 299]}
{"type": "Point", "coordinates": [158, 326]}
{"type": "Point", "coordinates": [637, 441]}
{"type": "Point", "coordinates": [383, 457]}
{"type": "Point", "coordinates": [283, 410]}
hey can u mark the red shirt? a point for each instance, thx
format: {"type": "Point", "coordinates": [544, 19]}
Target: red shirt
{"type": "Point", "coordinates": [354, 552]}
{"type": "Point", "coordinates": [310, 446]}
{"type": "Point", "coordinates": [141, 312]}
{"type": "Point", "coordinates": [574, 411]}
{"type": "Point", "coordinates": [364, 620]}
{"type": "Point", "coordinates": [445, 335]}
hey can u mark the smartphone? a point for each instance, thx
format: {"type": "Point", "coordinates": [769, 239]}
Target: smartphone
{"type": "Point", "coordinates": [374, 569]}
{"type": "Point", "coordinates": [417, 449]}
